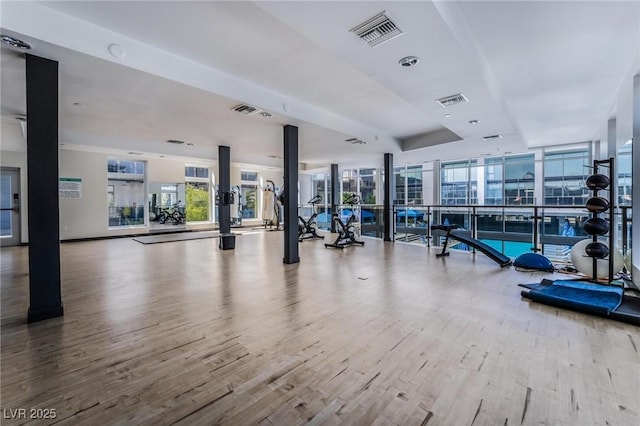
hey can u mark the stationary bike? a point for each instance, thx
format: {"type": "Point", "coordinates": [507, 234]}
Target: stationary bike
{"type": "Point", "coordinates": [307, 228]}
{"type": "Point", "coordinates": [347, 235]}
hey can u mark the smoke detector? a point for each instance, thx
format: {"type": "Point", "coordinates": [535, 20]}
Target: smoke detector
{"type": "Point", "coordinates": [377, 30]}
{"type": "Point", "coordinates": [448, 101]}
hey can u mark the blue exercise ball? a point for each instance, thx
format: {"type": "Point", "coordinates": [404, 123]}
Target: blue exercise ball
{"type": "Point", "coordinates": [597, 204]}
{"type": "Point", "coordinates": [597, 250]}
{"type": "Point", "coordinates": [597, 181]}
{"type": "Point", "coordinates": [596, 226]}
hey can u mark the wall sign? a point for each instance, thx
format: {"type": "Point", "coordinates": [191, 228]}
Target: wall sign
{"type": "Point", "coordinates": [70, 188]}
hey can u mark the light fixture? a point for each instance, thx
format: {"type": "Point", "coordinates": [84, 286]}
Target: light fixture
{"type": "Point", "coordinates": [447, 115]}
{"type": "Point", "coordinates": [265, 114]}
{"type": "Point", "coordinates": [15, 42]}
{"type": "Point", "coordinates": [409, 61]}
{"type": "Point", "coordinates": [472, 122]}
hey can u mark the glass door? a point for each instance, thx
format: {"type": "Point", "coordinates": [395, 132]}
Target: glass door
{"type": "Point", "coordinates": [9, 207]}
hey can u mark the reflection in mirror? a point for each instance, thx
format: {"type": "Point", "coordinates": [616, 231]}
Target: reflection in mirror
{"type": "Point", "coordinates": [166, 206]}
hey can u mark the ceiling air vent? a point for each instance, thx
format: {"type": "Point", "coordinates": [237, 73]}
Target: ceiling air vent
{"type": "Point", "coordinates": [355, 141]}
{"type": "Point", "coordinates": [246, 109]}
{"type": "Point", "coordinates": [377, 30]}
{"type": "Point", "coordinates": [452, 100]}
{"type": "Point", "coordinates": [492, 137]}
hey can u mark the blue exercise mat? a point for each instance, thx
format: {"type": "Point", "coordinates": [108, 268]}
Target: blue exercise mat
{"type": "Point", "coordinates": [587, 297]}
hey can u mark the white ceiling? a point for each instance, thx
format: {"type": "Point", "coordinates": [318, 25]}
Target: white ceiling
{"type": "Point", "coordinates": [538, 73]}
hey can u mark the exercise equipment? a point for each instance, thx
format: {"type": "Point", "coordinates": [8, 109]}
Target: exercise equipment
{"type": "Point", "coordinates": [172, 214]}
{"type": "Point", "coordinates": [596, 226]}
{"type": "Point", "coordinates": [583, 296]}
{"type": "Point", "coordinates": [597, 204]}
{"type": "Point", "coordinates": [597, 181]}
{"type": "Point", "coordinates": [307, 228]}
{"type": "Point", "coordinates": [533, 261]}
{"type": "Point", "coordinates": [346, 231]}
{"type": "Point", "coordinates": [461, 236]}
{"type": "Point", "coordinates": [236, 216]}
{"type": "Point", "coordinates": [270, 207]}
{"type": "Point", "coordinates": [584, 263]}
{"type": "Point", "coordinates": [597, 250]}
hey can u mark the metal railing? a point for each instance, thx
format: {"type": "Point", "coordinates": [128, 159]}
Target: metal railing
{"type": "Point", "coordinates": [513, 230]}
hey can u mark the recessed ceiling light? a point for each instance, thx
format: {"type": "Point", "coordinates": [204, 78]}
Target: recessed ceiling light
{"type": "Point", "coordinates": [492, 137]}
{"type": "Point", "coordinates": [473, 121]}
{"type": "Point", "coordinates": [77, 104]}
{"type": "Point", "coordinates": [447, 115]}
{"type": "Point", "coordinates": [409, 61]}
{"type": "Point", "coordinates": [15, 42]}
{"type": "Point", "coordinates": [175, 141]}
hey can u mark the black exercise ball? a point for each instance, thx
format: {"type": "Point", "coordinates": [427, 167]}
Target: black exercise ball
{"type": "Point", "coordinates": [597, 250]}
{"type": "Point", "coordinates": [596, 226]}
{"type": "Point", "coordinates": [597, 204]}
{"type": "Point", "coordinates": [597, 181]}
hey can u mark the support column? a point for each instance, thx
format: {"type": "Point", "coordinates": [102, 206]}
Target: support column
{"type": "Point", "coordinates": [389, 196]}
{"type": "Point", "coordinates": [335, 195]}
{"type": "Point", "coordinates": [291, 254]}
{"type": "Point", "coordinates": [635, 173]}
{"type": "Point", "coordinates": [45, 297]}
{"type": "Point", "coordinates": [224, 187]}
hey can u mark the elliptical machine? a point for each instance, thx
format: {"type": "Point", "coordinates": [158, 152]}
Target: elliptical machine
{"type": "Point", "coordinates": [347, 235]}
{"type": "Point", "coordinates": [307, 228]}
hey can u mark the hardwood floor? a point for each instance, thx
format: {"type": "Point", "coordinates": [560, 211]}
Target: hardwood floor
{"type": "Point", "coordinates": [185, 333]}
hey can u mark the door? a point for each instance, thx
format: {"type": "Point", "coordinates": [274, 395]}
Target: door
{"type": "Point", "coordinates": [9, 207]}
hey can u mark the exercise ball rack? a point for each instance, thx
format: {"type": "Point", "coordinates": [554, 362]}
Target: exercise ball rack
{"type": "Point", "coordinates": [610, 189]}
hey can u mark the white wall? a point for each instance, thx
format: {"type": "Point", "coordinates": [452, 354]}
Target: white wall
{"type": "Point", "coordinates": [87, 216]}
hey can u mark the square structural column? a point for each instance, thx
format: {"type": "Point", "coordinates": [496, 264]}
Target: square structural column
{"type": "Point", "coordinates": [291, 249]}
{"type": "Point", "coordinates": [224, 187]}
{"type": "Point", "coordinates": [389, 196]}
{"type": "Point", "coordinates": [45, 297]}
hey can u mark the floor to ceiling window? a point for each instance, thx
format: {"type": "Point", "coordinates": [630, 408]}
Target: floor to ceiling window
{"type": "Point", "coordinates": [367, 183]}
{"type": "Point", "coordinates": [198, 193]}
{"type": "Point", "coordinates": [249, 191]}
{"type": "Point", "coordinates": [459, 182]}
{"type": "Point", "coordinates": [519, 179]}
{"type": "Point", "coordinates": [564, 175]}
{"type": "Point", "coordinates": [409, 185]}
